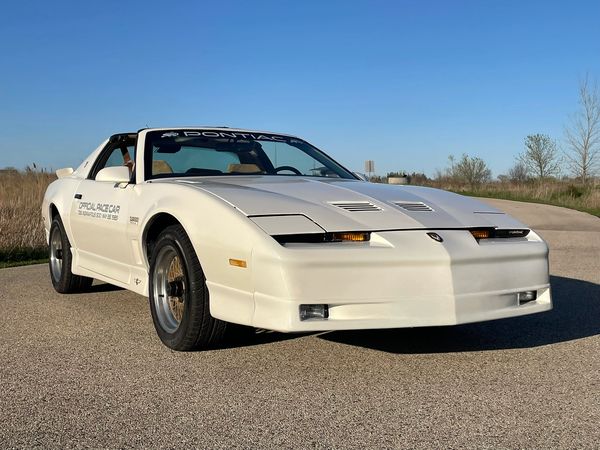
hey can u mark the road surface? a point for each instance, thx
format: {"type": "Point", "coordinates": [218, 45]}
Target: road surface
{"type": "Point", "coordinates": [88, 371]}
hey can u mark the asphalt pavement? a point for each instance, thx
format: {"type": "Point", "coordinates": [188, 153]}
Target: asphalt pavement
{"type": "Point", "coordinates": [88, 370]}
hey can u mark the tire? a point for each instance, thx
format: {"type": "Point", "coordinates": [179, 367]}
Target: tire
{"type": "Point", "coordinates": [60, 260]}
{"type": "Point", "coordinates": [179, 300]}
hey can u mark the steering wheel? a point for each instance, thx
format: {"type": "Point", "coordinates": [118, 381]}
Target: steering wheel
{"type": "Point", "coordinates": [290, 168]}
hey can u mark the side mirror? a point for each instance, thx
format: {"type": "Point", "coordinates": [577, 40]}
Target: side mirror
{"type": "Point", "coordinates": [117, 174]}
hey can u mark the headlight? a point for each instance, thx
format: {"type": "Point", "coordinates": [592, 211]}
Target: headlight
{"type": "Point", "coordinates": [296, 228]}
{"type": "Point", "coordinates": [348, 236]}
{"type": "Point", "coordinates": [287, 224]}
{"type": "Point", "coordinates": [491, 233]}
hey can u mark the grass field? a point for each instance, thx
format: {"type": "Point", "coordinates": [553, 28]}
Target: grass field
{"type": "Point", "coordinates": [22, 238]}
{"type": "Point", "coordinates": [559, 193]}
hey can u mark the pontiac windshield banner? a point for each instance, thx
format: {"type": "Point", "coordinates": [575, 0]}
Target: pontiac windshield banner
{"type": "Point", "coordinates": [99, 210]}
{"type": "Point", "coordinates": [226, 134]}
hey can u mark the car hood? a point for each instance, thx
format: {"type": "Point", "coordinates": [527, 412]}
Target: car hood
{"type": "Point", "coordinates": [345, 205]}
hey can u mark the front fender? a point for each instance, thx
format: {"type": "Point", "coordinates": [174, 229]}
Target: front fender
{"type": "Point", "coordinates": [218, 232]}
{"type": "Point", "coordinates": [59, 194]}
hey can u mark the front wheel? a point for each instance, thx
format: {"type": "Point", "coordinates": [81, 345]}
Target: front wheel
{"type": "Point", "coordinates": [178, 295]}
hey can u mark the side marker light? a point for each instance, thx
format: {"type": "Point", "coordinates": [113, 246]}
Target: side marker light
{"type": "Point", "coordinates": [238, 263]}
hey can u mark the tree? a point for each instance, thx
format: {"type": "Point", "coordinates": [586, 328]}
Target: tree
{"type": "Point", "coordinates": [583, 133]}
{"type": "Point", "coordinates": [518, 173]}
{"type": "Point", "coordinates": [472, 170]}
{"type": "Point", "coordinates": [541, 158]}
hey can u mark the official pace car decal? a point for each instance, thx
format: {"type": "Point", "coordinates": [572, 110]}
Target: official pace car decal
{"type": "Point", "coordinates": [95, 210]}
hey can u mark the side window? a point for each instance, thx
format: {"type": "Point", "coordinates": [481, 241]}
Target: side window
{"type": "Point", "coordinates": [118, 156]}
{"type": "Point", "coordinates": [115, 159]}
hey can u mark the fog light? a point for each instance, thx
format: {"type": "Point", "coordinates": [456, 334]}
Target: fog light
{"type": "Point", "coordinates": [526, 296]}
{"type": "Point", "coordinates": [308, 312]}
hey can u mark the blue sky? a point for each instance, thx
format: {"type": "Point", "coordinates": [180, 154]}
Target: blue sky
{"type": "Point", "coordinates": [405, 83]}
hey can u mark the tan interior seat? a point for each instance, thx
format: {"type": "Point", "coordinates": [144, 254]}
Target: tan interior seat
{"type": "Point", "coordinates": [243, 168]}
{"type": "Point", "coordinates": [160, 166]}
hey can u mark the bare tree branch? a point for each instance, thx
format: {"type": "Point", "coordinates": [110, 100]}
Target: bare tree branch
{"type": "Point", "coordinates": [518, 173]}
{"type": "Point", "coordinates": [541, 158]}
{"type": "Point", "coordinates": [583, 134]}
{"type": "Point", "coordinates": [472, 170]}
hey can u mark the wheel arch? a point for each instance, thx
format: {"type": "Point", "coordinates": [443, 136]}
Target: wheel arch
{"type": "Point", "coordinates": [154, 226]}
{"type": "Point", "coordinates": [53, 211]}
{"type": "Point", "coordinates": [49, 212]}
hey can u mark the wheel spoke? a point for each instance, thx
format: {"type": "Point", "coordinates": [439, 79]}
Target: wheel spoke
{"type": "Point", "coordinates": [169, 289]}
{"type": "Point", "coordinates": [56, 253]}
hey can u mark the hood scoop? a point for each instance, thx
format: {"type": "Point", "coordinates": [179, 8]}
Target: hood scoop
{"type": "Point", "coordinates": [414, 206]}
{"type": "Point", "coordinates": [357, 206]}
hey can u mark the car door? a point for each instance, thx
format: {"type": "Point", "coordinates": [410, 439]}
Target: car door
{"type": "Point", "coordinates": [99, 218]}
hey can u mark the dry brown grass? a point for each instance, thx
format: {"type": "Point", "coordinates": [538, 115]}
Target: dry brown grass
{"type": "Point", "coordinates": [21, 227]}
{"type": "Point", "coordinates": [565, 193]}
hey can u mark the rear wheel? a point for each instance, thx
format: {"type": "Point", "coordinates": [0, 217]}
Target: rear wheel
{"type": "Point", "coordinates": [60, 259]}
{"type": "Point", "coordinates": [178, 295]}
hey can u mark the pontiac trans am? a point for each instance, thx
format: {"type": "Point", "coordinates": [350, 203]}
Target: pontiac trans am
{"type": "Point", "coordinates": [221, 226]}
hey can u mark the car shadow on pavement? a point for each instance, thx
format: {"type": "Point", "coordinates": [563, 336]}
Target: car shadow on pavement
{"type": "Point", "coordinates": [576, 315]}
{"type": "Point", "coordinates": [104, 287]}
{"type": "Point", "coordinates": [257, 336]}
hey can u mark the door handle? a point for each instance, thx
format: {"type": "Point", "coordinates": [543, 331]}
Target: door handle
{"type": "Point", "coordinates": [78, 196]}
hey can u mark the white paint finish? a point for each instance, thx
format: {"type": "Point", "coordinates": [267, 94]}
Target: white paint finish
{"type": "Point", "coordinates": [118, 174]}
{"type": "Point", "coordinates": [84, 168]}
{"type": "Point", "coordinates": [65, 172]}
{"type": "Point", "coordinates": [280, 225]}
{"type": "Point", "coordinates": [312, 197]}
{"type": "Point", "coordinates": [99, 222]}
{"type": "Point", "coordinates": [400, 278]}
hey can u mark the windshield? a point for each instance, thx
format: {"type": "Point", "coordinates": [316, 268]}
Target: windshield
{"type": "Point", "coordinates": [180, 153]}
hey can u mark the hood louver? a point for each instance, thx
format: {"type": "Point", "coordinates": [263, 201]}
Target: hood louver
{"type": "Point", "coordinates": [357, 206]}
{"type": "Point", "coordinates": [414, 206]}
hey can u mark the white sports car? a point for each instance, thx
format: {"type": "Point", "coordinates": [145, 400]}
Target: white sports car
{"type": "Point", "coordinates": [221, 226]}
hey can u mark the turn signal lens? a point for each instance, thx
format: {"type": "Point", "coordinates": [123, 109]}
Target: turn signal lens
{"type": "Point", "coordinates": [481, 234]}
{"type": "Point", "coordinates": [238, 263]}
{"type": "Point", "coordinates": [353, 237]}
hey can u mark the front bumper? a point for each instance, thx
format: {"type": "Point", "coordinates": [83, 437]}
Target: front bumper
{"type": "Point", "coordinates": [400, 279]}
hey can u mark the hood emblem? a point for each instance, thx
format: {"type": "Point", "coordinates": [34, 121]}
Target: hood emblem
{"type": "Point", "coordinates": [435, 237]}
